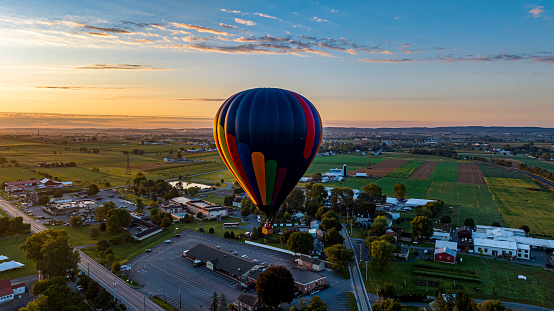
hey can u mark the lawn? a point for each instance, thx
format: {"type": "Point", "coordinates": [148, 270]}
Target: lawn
{"type": "Point", "coordinates": [406, 169]}
{"type": "Point", "coordinates": [522, 202]}
{"type": "Point", "coordinates": [352, 303]}
{"type": "Point", "coordinates": [9, 248]}
{"type": "Point", "coordinates": [415, 188]}
{"type": "Point", "coordinates": [16, 173]}
{"type": "Point", "coordinates": [494, 275]}
{"type": "Point", "coordinates": [80, 175]}
{"type": "Point", "coordinates": [78, 236]}
{"type": "Point", "coordinates": [473, 201]}
{"type": "Point", "coordinates": [445, 171]}
{"type": "Point", "coordinates": [224, 174]}
{"type": "Point", "coordinates": [495, 171]}
{"type": "Point", "coordinates": [189, 168]}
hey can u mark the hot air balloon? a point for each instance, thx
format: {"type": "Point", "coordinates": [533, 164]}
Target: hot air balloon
{"type": "Point", "coordinates": [267, 137]}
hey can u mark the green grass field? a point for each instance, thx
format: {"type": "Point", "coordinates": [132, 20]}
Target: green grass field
{"type": "Point", "coordinates": [415, 188]}
{"type": "Point", "coordinates": [445, 171]}
{"type": "Point", "coordinates": [352, 161]}
{"type": "Point", "coordinates": [473, 201]}
{"type": "Point", "coordinates": [9, 248]}
{"type": "Point", "coordinates": [499, 275]}
{"type": "Point", "coordinates": [78, 236]}
{"type": "Point", "coordinates": [522, 202]}
{"type": "Point", "coordinates": [16, 173]}
{"type": "Point", "coordinates": [547, 165]}
{"type": "Point", "coordinates": [495, 171]}
{"type": "Point", "coordinates": [406, 169]}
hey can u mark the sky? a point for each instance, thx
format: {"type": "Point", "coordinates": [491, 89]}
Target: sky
{"type": "Point", "coordinates": [152, 64]}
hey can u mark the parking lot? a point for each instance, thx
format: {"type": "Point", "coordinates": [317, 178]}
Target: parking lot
{"type": "Point", "coordinates": [164, 271]}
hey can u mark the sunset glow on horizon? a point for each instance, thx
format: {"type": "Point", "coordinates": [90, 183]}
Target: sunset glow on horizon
{"type": "Point", "coordinates": [363, 64]}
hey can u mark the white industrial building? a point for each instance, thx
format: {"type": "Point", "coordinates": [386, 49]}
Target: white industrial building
{"type": "Point", "coordinates": [498, 241]}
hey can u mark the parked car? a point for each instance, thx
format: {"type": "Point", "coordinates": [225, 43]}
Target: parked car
{"type": "Point", "coordinates": [244, 256]}
{"type": "Point", "coordinates": [148, 250]}
{"type": "Point", "coordinates": [79, 287]}
{"type": "Point", "coordinates": [167, 241]}
{"type": "Point", "coordinates": [177, 235]}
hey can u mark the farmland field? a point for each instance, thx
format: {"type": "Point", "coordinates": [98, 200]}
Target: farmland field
{"type": "Point", "coordinates": [495, 171]}
{"type": "Point", "coordinates": [16, 173]}
{"type": "Point", "coordinates": [493, 275]}
{"type": "Point", "coordinates": [474, 201]}
{"type": "Point", "coordinates": [470, 173]}
{"type": "Point", "coordinates": [547, 165]}
{"type": "Point", "coordinates": [522, 202]}
{"type": "Point", "coordinates": [323, 164]}
{"type": "Point", "coordinates": [425, 170]}
{"type": "Point", "coordinates": [406, 169]}
{"type": "Point", "coordinates": [380, 169]}
{"type": "Point", "coordinates": [445, 171]}
{"type": "Point", "coordinates": [414, 188]}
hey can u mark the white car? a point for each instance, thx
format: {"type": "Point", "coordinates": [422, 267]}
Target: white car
{"type": "Point", "coordinates": [244, 256]}
{"type": "Point", "coordinates": [167, 241]}
{"type": "Point", "coordinates": [79, 287]}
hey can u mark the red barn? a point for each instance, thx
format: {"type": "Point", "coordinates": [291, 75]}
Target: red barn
{"type": "Point", "coordinates": [445, 254]}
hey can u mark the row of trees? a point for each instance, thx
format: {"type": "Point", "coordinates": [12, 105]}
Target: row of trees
{"type": "Point", "coordinates": [13, 226]}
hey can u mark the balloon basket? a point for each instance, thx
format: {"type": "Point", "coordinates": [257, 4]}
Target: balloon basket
{"type": "Point", "coordinates": [267, 231]}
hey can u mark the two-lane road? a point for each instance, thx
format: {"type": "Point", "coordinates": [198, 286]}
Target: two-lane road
{"type": "Point", "coordinates": [131, 298]}
{"type": "Point", "coordinates": [357, 281]}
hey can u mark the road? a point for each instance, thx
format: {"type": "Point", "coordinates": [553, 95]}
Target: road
{"type": "Point", "coordinates": [357, 281]}
{"type": "Point", "coordinates": [131, 298]}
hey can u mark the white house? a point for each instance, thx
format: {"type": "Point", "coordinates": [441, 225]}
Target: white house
{"type": "Point", "coordinates": [8, 291]}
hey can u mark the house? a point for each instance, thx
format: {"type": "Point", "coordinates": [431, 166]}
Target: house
{"type": "Point", "coordinates": [402, 251]}
{"type": "Point", "coordinates": [307, 282]}
{"type": "Point", "coordinates": [13, 188]}
{"type": "Point", "coordinates": [237, 202]}
{"type": "Point", "coordinates": [172, 208]}
{"type": "Point", "coordinates": [310, 263]}
{"type": "Point", "coordinates": [440, 236]}
{"type": "Point", "coordinates": [314, 224]}
{"type": "Point", "coordinates": [195, 206]}
{"type": "Point", "coordinates": [441, 244]}
{"type": "Point", "coordinates": [298, 215]}
{"type": "Point", "coordinates": [247, 302]}
{"type": "Point", "coordinates": [445, 254]}
{"type": "Point", "coordinates": [150, 229]}
{"type": "Point", "coordinates": [9, 290]}
{"type": "Point", "coordinates": [305, 179]}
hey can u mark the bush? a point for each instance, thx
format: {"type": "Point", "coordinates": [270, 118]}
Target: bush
{"type": "Point", "coordinates": [103, 226]}
{"type": "Point", "coordinates": [200, 229]}
{"type": "Point", "coordinates": [211, 230]}
{"type": "Point", "coordinates": [226, 234]}
{"type": "Point", "coordinates": [116, 266]}
{"type": "Point", "coordinates": [94, 232]}
{"type": "Point", "coordinates": [232, 235]}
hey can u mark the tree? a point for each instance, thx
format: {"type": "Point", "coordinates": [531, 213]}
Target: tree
{"type": "Point", "coordinates": [315, 193]}
{"type": "Point", "coordinates": [102, 245]}
{"type": "Point", "coordinates": [295, 200]}
{"type": "Point", "coordinates": [51, 252]}
{"type": "Point", "coordinates": [330, 222]}
{"type": "Point", "coordinates": [446, 219]}
{"type": "Point", "coordinates": [43, 199]}
{"type": "Point", "coordinates": [320, 212]}
{"type": "Point", "coordinates": [380, 224]}
{"type": "Point", "coordinates": [287, 216]}
{"type": "Point", "coordinates": [301, 242]}
{"type": "Point", "coordinates": [525, 228]}
{"type": "Point", "coordinates": [464, 302]}
{"type": "Point", "coordinates": [245, 210]}
{"type": "Point", "coordinates": [113, 226]}
{"type": "Point", "coordinates": [166, 222]}
{"type": "Point", "coordinates": [274, 286]}
{"type": "Point", "coordinates": [94, 232]}
{"type": "Point", "coordinates": [254, 235]}
{"type": "Point", "coordinates": [92, 189]}
{"type": "Point", "coordinates": [387, 291]}
{"type": "Point", "coordinates": [339, 257]}
{"type": "Point", "coordinates": [199, 215]}
{"type": "Point", "coordinates": [492, 305]}
{"type": "Point", "coordinates": [469, 222]}
{"type": "Point", "coordinates": [92, 290]}
{"type": "Point", "coordinates": [316, 177]}
{"type": "Point", "coordinates": [285, 237]}
{"type": "Point", "coordinates": [58, 194]}
{"type": "Point", "coordinates": [212, 230]}
{"type": "Point", "coordinates": [228, 200]}
{"type": "Point", "coordinates": [103, 298]}
{"type": "Point", "coordinates": [101, 212]}
{"type": "Point", "coordinates": [332, 237]}
{"type": "Point", "coordinates": [315, 304]}
{"type": "Point", "coordinates": [375, 192]}
{"type": "Point", "coordinates": [387, 305]}
{"type": "Point", "coordinates": [76, 221]}
{"type": "Point", "coordinates": [116, 266]}
{"type": "Point", "coordinates": [399, 191]}
{"type": "Point", "coordinates": [102, 226]}
{"type": "Point", "coordinates": [215, 302]}
{"type": "Point", "coordinates": [382, 250]}
{"type": "Point", "coordinates": [422, 227]}
{"type": "Point", "coordinates": [53, 295]}
{"type": "Point", "coordinates": [222, 303]}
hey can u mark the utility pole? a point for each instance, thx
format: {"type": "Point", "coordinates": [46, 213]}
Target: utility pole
{"type": "Point", "coordinates": [114, 285]}
{"type": "Point", "coordinates": [179, 299]}
{"type": "Point", "coordinates": [128, 169]}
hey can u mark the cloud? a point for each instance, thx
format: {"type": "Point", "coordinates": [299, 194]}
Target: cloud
{"type": "Point", "coordinates": [536, 10]}
{"type": "Point", "coordinates": [267, 16]}
{"type": "Point", "coordinates": [544, 59]}
{"type": "Point", "coordinates": [140, 25]}
{"type": "Point", "coordinates": [200, 29]}
{"type": "Point", "coordinates": [227, 26]}
{"type": "Point", "coordinates": [231, 11]}
{"type": "Point", "coordinates": [101, 34]}
{"type": "Point", "coordinates": [334, 11]}
{"type": "Point", "coordinates": [407, 51]}
{"type": "Point", "coordinates": [244, 22]}
{"type": "Point", "coordinates": [114, 30]}
{"type": "Point", "coordinates": [120, 67]}
{"type": "Point", "coordinates": [75, 88]}
{"type": "Point", "coordinates": [319, 20]}
{"type": "Point", "coordinates": [202, 99]}
{"type": "Point", "coordinates": [403, 60]}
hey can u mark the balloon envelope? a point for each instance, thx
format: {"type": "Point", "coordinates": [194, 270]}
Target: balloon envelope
{"type": "Point", "coordinates": [268, 138]}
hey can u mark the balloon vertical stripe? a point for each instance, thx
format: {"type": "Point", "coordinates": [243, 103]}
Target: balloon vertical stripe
{"type": "Point", "coordinates": [258, 163]}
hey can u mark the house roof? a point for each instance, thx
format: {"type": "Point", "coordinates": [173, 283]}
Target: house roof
{"type": "Point", "coordinates": [225, 261]}
{"type": "Point", "coordinates": [22, 182]}
{"type": "Point", "coordinates": [248, 300]}
{"type": "Point", "coordinates": [451, 245]}
{"type": "Point", "coordinates": [305, 277]}
{"type": "Point", "coordinates": [511, 245]}
{"type": "Point", "coordinates": [5, 287]}
{"type": "Point", "coordinates": [445, 250]}
{"type": "Point", "coordinates": [310, 260]}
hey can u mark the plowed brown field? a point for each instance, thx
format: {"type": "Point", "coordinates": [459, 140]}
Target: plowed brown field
{"type": "Point", "coordinates": [424, 171]}
{"type": "Point", "coordinates": [470, 173]}
{"type": "Point", "coordinates": [380, 169]}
